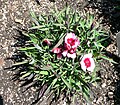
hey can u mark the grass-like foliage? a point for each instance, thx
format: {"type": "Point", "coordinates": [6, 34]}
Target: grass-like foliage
{"type": "Point", "coordinates": [63, 51]}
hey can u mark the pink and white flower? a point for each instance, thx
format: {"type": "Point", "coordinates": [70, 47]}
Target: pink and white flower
{"type": "Point", "coordinates": [71, 53]}
{"type": "Point", "coordinates": [70, 46]}
{"type": "Point", "coordinates": [87, 63]}
{"type": "Point", "coordinates": [71, 40]}
{"type": "Point", "coordinates": [69, 49]}
{"type": "Point", "coordinates": [57, 51]}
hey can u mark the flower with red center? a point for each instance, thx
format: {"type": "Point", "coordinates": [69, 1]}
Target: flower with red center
{"type": "Point", "coordinates": [72, 50]}
{"type": "Point", "coordinates": [70, 45]}
{"type": "Point", "coordinates": [70, 53]}
{"type": "Point", "coordinates": [71, 40]}
{"type": "Point", "coordinates": [69, 48]}
{"type": "Point", "coordinates": [87, 62]}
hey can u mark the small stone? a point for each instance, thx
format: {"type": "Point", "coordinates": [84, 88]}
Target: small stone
{"type": "Point", "coordinates": [112, 88]}
{"type": "Point", "coordinates": [103, 85]}
{"type": "Point", "coordinates": [2, 62]}
{"type": "Point", "coordinates": [110, 94]}
{"type": "Point", "coordinates": [19, 21]}
{"type": "Point", "coordinates": [33, 89]}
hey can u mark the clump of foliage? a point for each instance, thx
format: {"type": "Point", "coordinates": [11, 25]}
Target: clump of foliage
{"type": "Point", "coordinates": [63, 50]}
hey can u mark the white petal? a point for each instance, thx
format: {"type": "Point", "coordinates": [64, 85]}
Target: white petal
{"type": "Point", "coordinates": [69, 35]}
{"type": "Point", "coordinates": [83, 65]}
{"type": "Point", "coordinates": [71, 55]}
{"type": "Point", "coordinates": [64, 53]}
{"type": "Point", "coordinates": [87, 56]}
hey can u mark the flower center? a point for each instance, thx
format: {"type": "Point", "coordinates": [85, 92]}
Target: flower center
{"type": "Point", "coordinates": [87, 62]}
{"type": "Point", "coordinates": [71, 41]}
{"type": "Point", "coordinates": [71, 51]}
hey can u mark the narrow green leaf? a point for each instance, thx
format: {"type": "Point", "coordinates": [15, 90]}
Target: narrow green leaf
{"type": "Point", "coordinates": [109, 59]}
{"type": "Point", "coordinates": [25, 75]}
{"type": "Point", "coordinates": [46, 68]}
{"type": "Point", "coordinates": [78, 83]}
{"type": "Point", "coordinates": [32, 61]}
{"type": "Point", "coordinates": [41, 18]}
{"type": "Point", "coordinates": [95, 79]}
{"type": "Point", "coordinates": [37, 72]}
{"type": "Point", "coordinates": [64, 73]}
{"type": "Point", "coordinates": [38, 47]}
{"type": "Point", "coordinates": [58, 92]}
{"type": "Point", "coordinates": [54, 81]}
{"type": "Point", "coordinates": [26, 48]}
{"type": "Point", "coordinates": [68, 85]}
{"type": "Point", "coordinates": [57, 24]}
{"type": "Point", "coordinates": [87, 77]}
{"type": "Point", "coordinates": [43, 72]}
{"type": "Point", "coordinates": [20, 63]}
{"type": "Point", "coordinates": [38, 27]}
{"type": "Point", "coordinates": [67, 10]}
{"type": "Point", "coordinates": [43, 29]}
{"type": "Point", "coordinates": [59, 42]}
{"type": "Point", "coordinates": [48, 90]}
{"type": "Point", "coordinates": [33, 14]}
{"type": "Point", "coordinates": [33, 38]}
{"type": "Point", "coordinates": [24, 33]}
{"type": "Point", "coordinates": [35, 21]}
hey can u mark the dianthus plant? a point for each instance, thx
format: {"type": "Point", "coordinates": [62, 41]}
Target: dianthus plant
{"type": "Point", "coordinates": [62, 51]}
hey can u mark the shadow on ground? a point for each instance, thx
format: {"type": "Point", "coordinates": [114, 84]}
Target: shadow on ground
{"type": "Point", "coordinates": [117, 85]}
{"type": "Point", "coordinates": [27, 82]}
{"type": "Point", "coordinates": [110, 10]}
{"type": "Point", "coordinates": [1, 100]}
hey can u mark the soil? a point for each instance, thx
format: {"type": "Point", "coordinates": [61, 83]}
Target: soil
{"type": "Point", "coordinates": [15, 14]}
